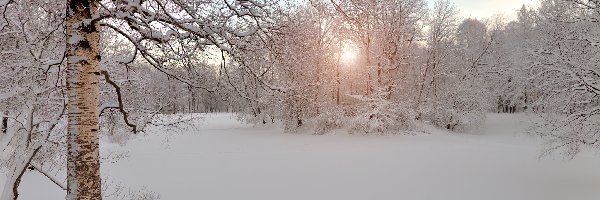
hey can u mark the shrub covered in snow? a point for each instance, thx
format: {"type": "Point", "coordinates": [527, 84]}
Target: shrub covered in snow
{"type": "Point", "coordinates": [381, 116]}
{"type": "Point", "coordinates": [329, 119]}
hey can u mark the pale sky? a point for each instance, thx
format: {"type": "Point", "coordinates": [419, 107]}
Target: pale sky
{"type": "Point", "coordinates": [487, 8]}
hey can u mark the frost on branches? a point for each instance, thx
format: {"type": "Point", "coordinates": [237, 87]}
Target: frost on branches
{"type": "Point", "coordinates": [378, 115]}
{"type": "Point", "coordinates": [567, 72]}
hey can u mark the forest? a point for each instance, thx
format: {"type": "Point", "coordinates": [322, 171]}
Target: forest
{"type": "Point", "coordinates": [78, 74]}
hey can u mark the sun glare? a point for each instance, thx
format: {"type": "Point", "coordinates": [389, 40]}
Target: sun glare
{"type": "Point", "coordinates": [349, 53]}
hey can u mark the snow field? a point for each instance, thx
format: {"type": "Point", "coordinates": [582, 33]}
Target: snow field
{"type": "Point", "coordinates": [227, 160]}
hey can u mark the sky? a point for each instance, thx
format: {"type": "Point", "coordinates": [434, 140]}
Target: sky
{"type": "Point", "coordinates": [487, 8]}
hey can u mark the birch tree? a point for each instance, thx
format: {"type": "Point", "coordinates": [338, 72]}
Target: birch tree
{"type": "Point", "coordinates": [145, 24]}
{"type": "Point", "coordinates": [83, 69]}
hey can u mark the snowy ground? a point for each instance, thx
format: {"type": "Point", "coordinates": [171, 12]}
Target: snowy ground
{"type": "Point", "coordinates": [228, 160]}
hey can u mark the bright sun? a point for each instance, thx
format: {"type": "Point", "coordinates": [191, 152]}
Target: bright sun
{"type": "Point", "coordinates": [349, 53]}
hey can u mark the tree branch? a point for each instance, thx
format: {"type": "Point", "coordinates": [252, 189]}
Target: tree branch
{"type": "Point", "coordinates": [52, 178]}
{"type": "Point", "coordinates": [121, 107]}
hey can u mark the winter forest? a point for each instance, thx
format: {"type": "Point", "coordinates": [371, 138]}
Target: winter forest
{"type": "Point", "coordinates": [298, 99]}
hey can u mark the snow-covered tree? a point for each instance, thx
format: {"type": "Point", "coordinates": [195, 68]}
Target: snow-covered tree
{"type": "Point", "coordinates": [452, 90]}
{"type": "Point", "coordinates": [148, 26]}
{"type": "Point", "coordinates": [443, 23]}
{"type": "Point", "coordinates": [32, 100]}
{"type": "Point", "coordinates": [510, 61]}
{"type": "Point", "coordinates": [386, 33]}
{"type": "Point", "coordinates": [567, 72]}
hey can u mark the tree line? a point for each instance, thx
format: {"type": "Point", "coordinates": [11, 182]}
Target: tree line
{"type": "Point", "coordinates": [76, 71]}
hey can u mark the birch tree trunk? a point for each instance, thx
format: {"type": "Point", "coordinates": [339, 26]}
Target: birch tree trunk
{"type": "Point", "coordinates": [83, 166]}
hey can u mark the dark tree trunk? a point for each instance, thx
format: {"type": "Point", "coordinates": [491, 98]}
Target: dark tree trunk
{"type": "Point", "coordinates": [4, 126]}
